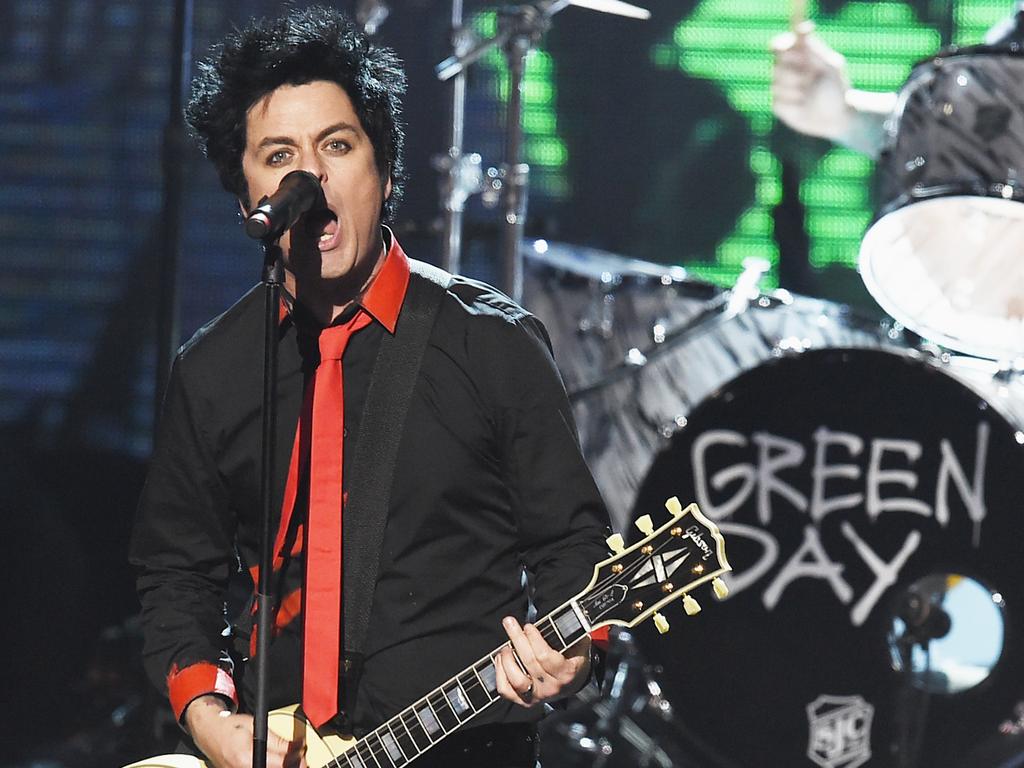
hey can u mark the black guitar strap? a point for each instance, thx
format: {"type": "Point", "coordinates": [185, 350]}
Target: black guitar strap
{"type": "Point", "coordinates": [395, 372]}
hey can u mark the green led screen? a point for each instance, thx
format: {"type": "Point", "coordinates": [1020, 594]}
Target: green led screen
{"type": "Point", "coordinates": [721, 47]}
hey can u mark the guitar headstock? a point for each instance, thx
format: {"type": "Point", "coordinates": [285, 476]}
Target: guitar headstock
{"type": "Point", "coordinates": [668, 563]}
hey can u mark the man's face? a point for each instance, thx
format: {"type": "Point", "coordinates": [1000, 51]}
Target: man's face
{"type": "Point", "coordinates": [313, 127]}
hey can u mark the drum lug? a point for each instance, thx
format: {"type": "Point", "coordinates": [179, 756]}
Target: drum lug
{"type": "Point", "coordinates": [670, 428]}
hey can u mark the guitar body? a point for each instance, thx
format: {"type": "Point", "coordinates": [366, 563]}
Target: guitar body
{"type": "Point", "coordinates": [289, 724]}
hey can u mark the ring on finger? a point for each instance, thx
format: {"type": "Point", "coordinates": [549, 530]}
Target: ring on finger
{"type": "Point", "coordinates": [528, 693]}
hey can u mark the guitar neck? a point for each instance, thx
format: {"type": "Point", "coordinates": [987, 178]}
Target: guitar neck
{"type": "Point", "coordinates": [417, 728]}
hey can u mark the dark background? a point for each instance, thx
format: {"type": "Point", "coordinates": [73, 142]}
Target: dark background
{"type": "Point", "coordinates": [83, 105]}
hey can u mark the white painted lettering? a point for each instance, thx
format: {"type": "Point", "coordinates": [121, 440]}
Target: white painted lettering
{"type": "Point", "coordinates": [885, 573]}
{"type": "Point", "coordinates": [774, 454]}
{"type": "Point", "coordinates": [973, 498]}
{"type": "Point", "coordinates": [822, 472]}
{"type": "Point", "coordinates": [877, 477]}
{"type": "Point", "coordinates": [744, 473]}
{"type": "Point", "coordinates": [809, 561]}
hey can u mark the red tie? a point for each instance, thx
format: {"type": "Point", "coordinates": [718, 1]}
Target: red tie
{"type": "Point", "coordinates": [322, 617]}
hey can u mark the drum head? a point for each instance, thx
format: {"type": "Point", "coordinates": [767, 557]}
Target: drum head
{"type": "Point", "coordinates": [840, 479]}
{"type": "Point", "coordinates": [943, 256]}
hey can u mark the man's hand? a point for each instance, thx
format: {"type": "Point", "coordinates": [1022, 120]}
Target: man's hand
{"type": "Point", "coordinates": [226, 739]}
{"type": "Point", "coordinates": [548, 675]}
{"type": "Point", "coordinates": [811, 93]}
{"type": "Point", "coordinates": [809, 84]}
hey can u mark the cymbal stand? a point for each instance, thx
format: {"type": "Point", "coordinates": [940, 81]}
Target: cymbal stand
{"type": "Point", "coordinates": [519, 29]}
{"type": "Point", "coordinates": [462, 176]}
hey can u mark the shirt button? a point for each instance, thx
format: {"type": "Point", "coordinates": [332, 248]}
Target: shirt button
{"type": "Point", "coordinates": [344, 431]}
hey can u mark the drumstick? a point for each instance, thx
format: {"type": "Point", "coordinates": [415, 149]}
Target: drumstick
{"type": "Point", "coordinates": [797, 15]}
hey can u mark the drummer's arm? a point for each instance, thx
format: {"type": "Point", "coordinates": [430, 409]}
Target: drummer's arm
{"type": "Point", "coordinates": [811, 93]}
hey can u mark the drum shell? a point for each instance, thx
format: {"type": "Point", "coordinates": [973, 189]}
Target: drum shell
{"type": "Point", "coordinates": [958, 129]}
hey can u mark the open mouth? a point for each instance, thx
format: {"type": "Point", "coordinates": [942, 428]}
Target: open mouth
{"type": "Point", "coordinates": [322, 225]}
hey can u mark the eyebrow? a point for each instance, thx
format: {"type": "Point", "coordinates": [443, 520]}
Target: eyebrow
{"type": "Point", "coordinates": [289, 141]}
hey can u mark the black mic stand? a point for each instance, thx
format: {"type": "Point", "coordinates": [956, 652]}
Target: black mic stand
{"type": "Point", "coordinates": [911, 705]}
{"type": "Point", "coordinates": [924, 621]}
{"type": "Point", "coordinates": [273, 274]}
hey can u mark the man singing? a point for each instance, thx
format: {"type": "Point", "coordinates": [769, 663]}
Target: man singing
{"type": "Point", "coordinates": [488, 479]}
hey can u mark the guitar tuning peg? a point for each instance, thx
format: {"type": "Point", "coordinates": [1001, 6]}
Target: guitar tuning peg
{"type": "Point", "coordinates": [691, 606]}
{"type": "Point", "coordinates": [616, 544]}
{"type": "Point", "coordinates": [720, 587]}
{"type": "Point", "coordinates": [674, 506]}
{"type": "Point", "coordinates": [645, 524]}
{"type": "Point", "coordinates": [661, 623]}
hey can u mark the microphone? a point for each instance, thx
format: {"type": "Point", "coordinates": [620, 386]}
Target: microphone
{"type": "Point", "coordinates": [296, 194]}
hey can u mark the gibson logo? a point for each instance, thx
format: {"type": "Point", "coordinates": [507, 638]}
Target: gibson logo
{"type": "Point", "coordinates": [693, 533]}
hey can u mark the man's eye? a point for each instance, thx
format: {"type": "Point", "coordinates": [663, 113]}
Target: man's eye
{"type": "Point", "coordinates": [277, 158]}
{"type": "Point", "coordinates": [337, 145]}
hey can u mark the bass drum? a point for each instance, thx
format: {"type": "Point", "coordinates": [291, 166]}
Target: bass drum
{"type": "Point", "coordinates": [871, 500]}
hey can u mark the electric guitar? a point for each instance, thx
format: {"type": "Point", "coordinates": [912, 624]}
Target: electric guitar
{"type": "Point", "coordinates": [626, 589]}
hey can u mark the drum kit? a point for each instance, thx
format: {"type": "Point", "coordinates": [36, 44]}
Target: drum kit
{"type": "Point", "coordinates": [867, 471]}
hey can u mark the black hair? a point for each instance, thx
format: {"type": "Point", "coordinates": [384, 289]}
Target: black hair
{"type": "Point", "coordinates": [300, 47]}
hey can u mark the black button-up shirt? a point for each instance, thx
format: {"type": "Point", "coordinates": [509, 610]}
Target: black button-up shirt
{"type": "Point", "coordinates": [489, 480]}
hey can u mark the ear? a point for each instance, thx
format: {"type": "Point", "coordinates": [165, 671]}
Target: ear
{"type": "Point", "coordinates": [387, 187]}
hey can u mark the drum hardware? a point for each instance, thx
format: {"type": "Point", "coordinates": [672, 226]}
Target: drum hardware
{"type": "Point", "coordinates": [519, 30]}
{"type": "Point", "coordinates": [631, 724]}
{"type": "Point", "coordinates": [942, 256]}
{"type": "Point", "coordinates": [716, 313]}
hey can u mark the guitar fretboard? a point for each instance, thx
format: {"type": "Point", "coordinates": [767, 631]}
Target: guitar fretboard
{"type": "Point", "coordinates": [417, 728]}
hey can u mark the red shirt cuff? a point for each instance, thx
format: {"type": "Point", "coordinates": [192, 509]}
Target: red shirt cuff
{"type": "Point", "coordinates": [184, 685]}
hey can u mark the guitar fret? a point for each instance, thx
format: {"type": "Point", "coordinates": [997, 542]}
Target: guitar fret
{"type": "Point", "coordinates": [430, 713]}
{"type": "Point", "coordinates": [393, 746]}
{"type": "Point", "coordinates": [552, 632]}
{"type": "Point", "coordinates": [474, 688]}
{"type": "Point", "coordinates": [443, 709]}
{"type": "Point", "coordinates": [378, 754]}
{"type": "Point", "coordinates": [459, 701]}
{"type": "Point", "coordinates": [357, 755]}
{"type": "Point", "coordinates": [405, 740]}
{"type": "Point", "coordinates": [416, 730]}
{"type": "Point", "coordinates": [568, 625]}
{"type": "Point", "coordinates": [488, 678]}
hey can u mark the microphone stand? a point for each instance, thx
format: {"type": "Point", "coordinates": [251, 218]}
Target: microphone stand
{"type": "Point", "coordinates": [924, 621]}
{"type": "Point", "coordinates": [272, 279]}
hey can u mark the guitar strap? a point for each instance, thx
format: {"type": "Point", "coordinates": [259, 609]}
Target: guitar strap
{"type": "Point", "coordinates": [395, 372]}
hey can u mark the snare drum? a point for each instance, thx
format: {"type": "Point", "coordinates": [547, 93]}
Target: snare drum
{"type": "Point", "coordinates": [597, 305]}
{"type": "Point", "coordinates": [843, 478]}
